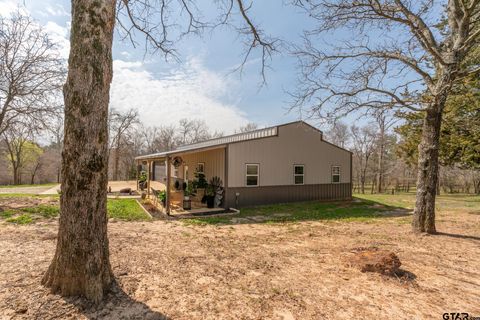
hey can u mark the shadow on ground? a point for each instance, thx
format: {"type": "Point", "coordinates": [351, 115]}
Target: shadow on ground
{"type": "Point", "coordinates": [354, 210]}
{"type": "Point", "coordinates": [117, 305]}
{"type": "Point", "coordinates": [458, 236]}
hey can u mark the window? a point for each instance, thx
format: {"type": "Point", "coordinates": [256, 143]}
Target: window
{"type": "Point", "coordinates": [298, 173]}
{"type": "Point", "coordinates": [335, 174]}
{"type": "Point", "coordinates": [201, 167]}
{"type": "Point", "coordinates": [251, 175]}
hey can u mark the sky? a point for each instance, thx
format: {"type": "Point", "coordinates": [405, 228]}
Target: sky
{"type": "Point", "coordinates": [203, 84]}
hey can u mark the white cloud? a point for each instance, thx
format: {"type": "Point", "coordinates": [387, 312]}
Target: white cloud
{"type": "Point", "coordinates": [7, 7]}
{"type": "Point", "coordinates": [56, 10]}
{"type": "Point", "coordinates": [59, 35]}
{"type": "Point", "coordinates": [191, 91]}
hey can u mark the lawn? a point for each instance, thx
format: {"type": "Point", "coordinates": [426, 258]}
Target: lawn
{"type": "Point", "coordinates": [364, 207]}
{"type": "Point", "coordinates": [28, 185]}
{"type": "Point", "coordinates": [25, 209]}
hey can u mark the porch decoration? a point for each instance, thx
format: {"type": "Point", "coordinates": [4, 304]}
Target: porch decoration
{"type": "Point", "coordinates": [177, 161]}
{"type": "Point", "coordinates": [142, 180]}
{"type": "Point", "coordinates": [217, 185]}
{"type": "Point", "coordinates": [187, 202]}
{"type": "Point", "coordinates": [162, 196]}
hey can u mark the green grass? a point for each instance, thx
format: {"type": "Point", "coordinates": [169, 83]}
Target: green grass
{"type": "Point", "coordinates": [27, 195]}
{"type": "Point", "coordinates": [25, 218]}
{"type": "Point", "coordinates": [364, 208]}
{"type": "Point", "coordinates": [358, 210]}
{"type": "Point", "coordinates": [121, 209]}
{"type": "Point", "coordinates": [28, 185]}
{"type": "Point", "coordinates": [7, 213]}
{"type": "Point", "coordinates": [126, 209]}
{"type": "Point", "coordinates": [46, 211]}
{"type": "Point", "coordinates": [444, 201]}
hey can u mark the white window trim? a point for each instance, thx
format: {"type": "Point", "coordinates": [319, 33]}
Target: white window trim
{"type": "Point", "coordinates": [339, 173]}
{"type": "Point", "coordinates": [198, 166]}
{"type": "Point", "coordinates": [252, 175]}
{"type": "Point", "coordinates": [302, 175]}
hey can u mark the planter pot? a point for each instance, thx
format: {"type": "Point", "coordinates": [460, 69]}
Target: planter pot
{"type": "Point", "coordinates": [210, 201]}
{"type": "Point", "coordinates": [187, 204]}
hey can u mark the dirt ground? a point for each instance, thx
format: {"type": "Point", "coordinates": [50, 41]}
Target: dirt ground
{"type": "Point", "coordinates": [166, 269]}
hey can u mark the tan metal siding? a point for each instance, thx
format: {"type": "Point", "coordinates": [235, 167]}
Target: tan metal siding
{"type": "Point", "coordinates": [214, 163]}
{"type": "Point", "coordinates": [296, 143]}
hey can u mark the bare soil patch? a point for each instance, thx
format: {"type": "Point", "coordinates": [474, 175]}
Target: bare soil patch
{"type": "Point", "coordinates": [166, 269]}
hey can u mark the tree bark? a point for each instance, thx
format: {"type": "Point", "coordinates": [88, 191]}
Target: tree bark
{"type": "Point", "coordinates": [427, 174]}
{"type": "Point", "coordinates": [81, 264]}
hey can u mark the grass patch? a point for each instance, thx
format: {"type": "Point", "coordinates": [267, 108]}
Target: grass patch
{"type": "Point", "coordinates": [46, 211]}
{"type": "Point", "coordinates": [359, 210]}
{"type": "Point", "coordinates": [25, 218]}
{"type": "Point", "coordinates": [126, 209]}
{"type": "Point", "coordinates": [27, 185]}
{"type": "Point", "coordinates": [7, 213]}
{"type": "Point", "coordinates": [28, 195]}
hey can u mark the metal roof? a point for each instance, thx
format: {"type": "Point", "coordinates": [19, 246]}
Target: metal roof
{"type": "Point", "coordinates": [217, 142]}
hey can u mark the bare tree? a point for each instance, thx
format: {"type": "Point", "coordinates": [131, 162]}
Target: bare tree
{"type": "Point", "coordinates": [339, 134]}
{"type": "Point", "coordinates": [21, 151]}
{"type": "Point", "coordinates": [81, 264]}
{"type": "Point", "coordinates": [120, 125]}
{"type": "Point", "coordinates": [363, 149]}
{"type": "Point", "coordinates": [31, 73]}
{"type": "Point", "coordinates": [385, 120]}
{"type": "Point", "coordinates": [248, 127]}
{"type": "Point", "coordinates": [400, 52]}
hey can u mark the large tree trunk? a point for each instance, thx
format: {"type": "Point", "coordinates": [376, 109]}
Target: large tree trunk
{"type": "Point", "coordinates": [427, 174]}
{"type": "Point", "coordinates": [81, 264]}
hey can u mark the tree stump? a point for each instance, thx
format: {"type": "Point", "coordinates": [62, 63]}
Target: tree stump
{"type": "Point", "coordinates": [380, 261]}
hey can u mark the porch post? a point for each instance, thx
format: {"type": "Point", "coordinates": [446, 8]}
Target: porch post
{"type": "Point", "coordinates": [149, 162]}
{"type": "Point", "coordinates": [167, 202]}
{"type": "Point", "coordinates": [136, 176]}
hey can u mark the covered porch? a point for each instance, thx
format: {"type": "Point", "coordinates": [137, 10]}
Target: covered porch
{"type": "Point", "coordinates": [173, 175]}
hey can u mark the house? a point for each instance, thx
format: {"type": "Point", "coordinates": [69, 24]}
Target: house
{"type": "Point", "coordinates": [284, 163]}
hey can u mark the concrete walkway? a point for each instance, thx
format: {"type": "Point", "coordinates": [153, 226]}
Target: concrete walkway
{"type": "Point", "coordinates": [28, 190]}
{"type": "Point", "coordinates": [52, 190]}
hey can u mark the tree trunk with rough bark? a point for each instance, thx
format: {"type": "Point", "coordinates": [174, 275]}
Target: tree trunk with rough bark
{"type": "Point", "coordinates": [81, 264]}
{"type": "Point", "coordinates": [427, 174]}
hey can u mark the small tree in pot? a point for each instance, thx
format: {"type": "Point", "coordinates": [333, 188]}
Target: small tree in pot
{"type": "Point", "coordinates": [142, 180]}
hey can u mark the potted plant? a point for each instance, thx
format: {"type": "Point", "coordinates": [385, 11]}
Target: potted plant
{"type": "Point", "coordinates": [210, 196]}
{"type": "Point", "coordinates": [199, 184]}
{"type": "Point", "coordinates": [187, 202]}
{"type": "Point", "coordinates": [162, 196]}
{"type": "Point", "coordinates": [142, 180]}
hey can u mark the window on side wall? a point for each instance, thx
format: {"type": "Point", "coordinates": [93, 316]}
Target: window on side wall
{"type": "Point", "coordinates": [335, 174]}
{"type": "Point", "coordinates": [252, 175]}
{"type": "Point", "coordinates": [201, 167]}
{"type": "Point", "coordinates": [298, 174]}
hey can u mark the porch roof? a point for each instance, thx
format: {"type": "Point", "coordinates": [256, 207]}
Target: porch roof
{"type": "Point", "coordinates": [215, 143]}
